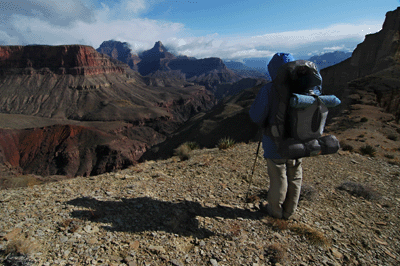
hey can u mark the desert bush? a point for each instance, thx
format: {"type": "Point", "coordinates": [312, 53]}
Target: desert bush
{"type": "Point", "coordinates": [226, 143]}
{"type": "Point", "coordinates": [192, 145]}
{"type": "Point", "coordinates": [276, 253]}
{"type": "Point", "coordinates": [345, 146]}
{"type": "Point", "coordinates": [308, 192]}
{"type": "Point", "coordinates": [359, 190]}
{"type": "Point", "coordinates": [314, 236]}
{"type": "Point", "coordinates": [21, 247]}
{"type": "Point", "coordinates": [19, 181]}
{"type": "Point", "coordinates": [183, 152]}
{"type": "Point", "coordinates": [364, 119]}
{"type": "Point", "coordinates": [368, 150]}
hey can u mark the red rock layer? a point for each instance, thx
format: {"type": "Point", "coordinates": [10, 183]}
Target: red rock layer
{"type": "Point", "coordinates": [65, 59]}
{"type": "Point", "coordinates": [68, 150]}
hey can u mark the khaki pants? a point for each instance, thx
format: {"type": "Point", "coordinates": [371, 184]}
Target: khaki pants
{"type": "Point", "coordinates": [285, 185]}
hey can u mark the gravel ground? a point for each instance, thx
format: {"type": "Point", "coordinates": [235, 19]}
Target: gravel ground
{"type": "Point", "coordinates": [196, 212]}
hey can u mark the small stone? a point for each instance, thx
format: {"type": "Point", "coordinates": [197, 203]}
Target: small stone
{"type": "Point", "coordinates": [156, 249]}
{"type": "Point", "coordinates": [176, 262]}
{"type": "Point", "coordinates": [134, 245]}
{"type": "Point", "coordinates": [336, 253]}
{"type": "Point", "coordinates": [213, 262]}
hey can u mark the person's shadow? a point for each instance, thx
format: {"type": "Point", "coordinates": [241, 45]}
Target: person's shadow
{"type": "Point", "coordinates": [147, 214]}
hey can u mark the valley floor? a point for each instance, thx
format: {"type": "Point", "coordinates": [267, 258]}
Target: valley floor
{"type": "Point", "coordinates": [194, 212]}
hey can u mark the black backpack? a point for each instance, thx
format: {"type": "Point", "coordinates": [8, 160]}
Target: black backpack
{"type": "Point", "coordinates": [300, 120]}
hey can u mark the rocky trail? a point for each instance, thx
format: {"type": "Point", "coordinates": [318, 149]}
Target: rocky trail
{"type": "Point", "coordinates": [194, 212]}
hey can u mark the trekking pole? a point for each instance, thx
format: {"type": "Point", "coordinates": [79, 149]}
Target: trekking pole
{"type": "Point", "coordinates": [254, 166]}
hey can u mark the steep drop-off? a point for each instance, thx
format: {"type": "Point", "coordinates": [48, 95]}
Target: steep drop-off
{"type": "Point", "coordinates": [71, 85]}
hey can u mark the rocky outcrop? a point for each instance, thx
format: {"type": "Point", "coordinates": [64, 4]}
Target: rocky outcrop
{"type": "Point", "coordinates": [90, 88]}
{"type": "Point", "coordinates": [208, 72]}
{"type": "Point", "coordinates": [64, 59]}
{"type": "Point", "coordinates": [376, 58]}
{"type": "Point", "coordinates": [120, 51]}
{"type": "Point", "coordinates": [71, 150]}
{"type": "Point", "coordinates": [157, 58]}
{"type": "Point", "coordinates": [229, 119]}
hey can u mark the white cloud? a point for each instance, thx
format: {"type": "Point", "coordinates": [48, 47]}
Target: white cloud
{"type": "Point", "coordinates": [135, 6]}
{"type": "Point", "coordinates": [123, 22]}
{"type": "Point", "coordinates": [337, 48]}
{"type": "Point", "coordinates": [61, 13]}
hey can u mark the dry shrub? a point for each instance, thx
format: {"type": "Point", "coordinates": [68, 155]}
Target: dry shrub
{"type": "Point", "coordinates": [346, 147]}
{"type": "Point", "coordinates": [19, 181]}
{"type": "Point", "coordinates": [183, 152]}
{"type": "Point", "coordinates": [277, 224]}
{"type": "Point", "coordinates": [368, 150]}
{"type": "Point", "coordinates": [314, 236]}
{"type": "Point", "coordinates": [192, 145]}
{"type": "Point", "coordinates": [359, 190]}
{"type": "Point", "coordinates": [21, 247]}
{"type": "Point", "coordinates": [308, 192]}
{"type": "Point", "coordinates": [276, 253]}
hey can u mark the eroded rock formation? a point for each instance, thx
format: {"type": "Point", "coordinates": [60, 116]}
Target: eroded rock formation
{"type": "Point", "coordinates": [374, 66]}
{"type": "Point", "coordinates": [75, 84]}
{"type": "Point", "coordinates": [64, 59]}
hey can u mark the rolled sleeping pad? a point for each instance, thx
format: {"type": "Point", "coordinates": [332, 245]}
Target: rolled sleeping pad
{"type": "Point", "coordinates": [304, 101]}
{"type": "Point", "coordinates": [294, 149]}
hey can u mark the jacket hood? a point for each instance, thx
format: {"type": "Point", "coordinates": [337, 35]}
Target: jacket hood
{"type": "Point", "coordinates": [277, 60]}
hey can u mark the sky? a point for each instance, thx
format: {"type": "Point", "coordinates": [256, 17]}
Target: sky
{"type": "Point", "coordinates": [229, 29]}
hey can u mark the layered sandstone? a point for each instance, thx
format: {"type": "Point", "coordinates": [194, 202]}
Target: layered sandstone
{"type": "Point", "coordinates": [64, 59]}
{"type": "Point", "coordinates": [72, 85]}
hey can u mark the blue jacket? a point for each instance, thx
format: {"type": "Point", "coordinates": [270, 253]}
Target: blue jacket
{"type": "Point", "coordinates": [265, 105]}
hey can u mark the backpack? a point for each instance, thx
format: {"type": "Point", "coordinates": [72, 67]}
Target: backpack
{"type": "Point", "coordinates": [301, 116]}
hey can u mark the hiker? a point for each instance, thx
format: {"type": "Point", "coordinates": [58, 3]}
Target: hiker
{"type": "Point", "coordinates": [285, 174]}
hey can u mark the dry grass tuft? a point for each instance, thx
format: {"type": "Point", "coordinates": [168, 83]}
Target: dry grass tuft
{"type": "Point", "coordinates": [276, 253]}
{"type": "Point", "coordinates": [346, 147]}
{"type": "Point", "coordinates": [368, 150]}
{"type": "Point", "coordinates": [277, 224]}
{"type": "Point", "coordinates": [19, 181]}
{"type": "Point", "coordinates": [226, 143]}
{"type": "Point", "coordinates": [21, 247]}
{"type": "Point", "coordinates": [314, 236]}
{"type": "Point", "coordinates": [359, 190]}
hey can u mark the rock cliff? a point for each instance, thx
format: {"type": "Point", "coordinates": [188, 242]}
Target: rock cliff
{"type": "Point", "coordinates": [71, 85]}
{"type": "Point", "coordinates": [64, 59]}
{"type": "Point", "coordinates": [120, 51]}
{"type": "Point", "coordinates": [376, 58]}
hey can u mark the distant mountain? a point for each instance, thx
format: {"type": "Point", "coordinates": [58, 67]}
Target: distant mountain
{"type": "Point", "coordinates": [330, 59]}
{"type": "Point", "coordinates": [120, 51]}
{"type": "Point", "coordinates": [69, 110]}
{"type": "Point", "coordinates": [243, 70]}
{"type": "Point", "coordinates": [258, 63]}
{"type": "Point", "coordinates": [209, 72]}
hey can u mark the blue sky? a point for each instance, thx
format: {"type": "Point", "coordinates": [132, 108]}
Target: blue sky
{"type": "Point", "coordinates": [226, 29]}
